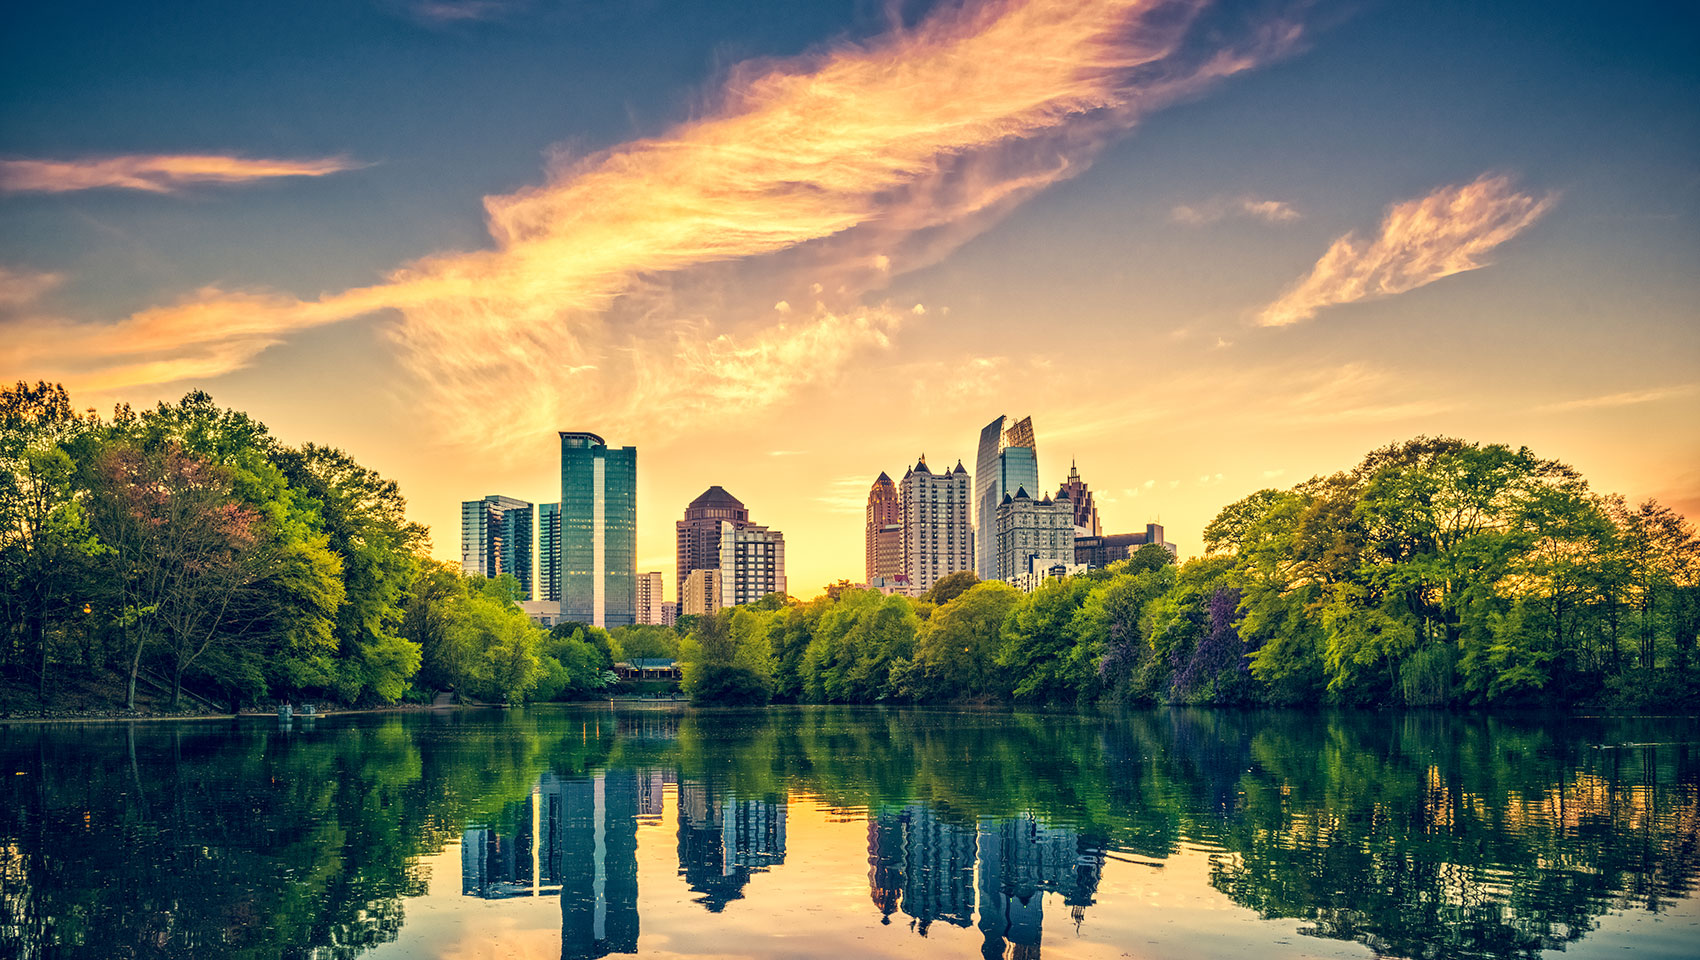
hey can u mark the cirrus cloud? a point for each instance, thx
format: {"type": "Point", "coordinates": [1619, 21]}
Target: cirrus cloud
{"type": "Point", "coordinates": [1420, 241]}
{"type": "Point", "coordinates": [640, 279]}
{"type": "Point", "coordinates": [155, 173]}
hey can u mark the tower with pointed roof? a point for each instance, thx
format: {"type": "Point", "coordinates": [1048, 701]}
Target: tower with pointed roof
{"type": "Point", "coordinates": [884, 534]}
{"type": "Point", "coordinates": [937, 529]}
{"type": "Point", "coordinates": [1085, 511]}
{"type": "Point", "coordinates": [1032, 534]}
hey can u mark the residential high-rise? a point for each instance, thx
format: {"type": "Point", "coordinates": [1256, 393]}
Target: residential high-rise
{"type": "Point", "coordinates": [698, 534]}
{"type": "Point", "coordinates": [884, 531]}
{"type": "Point", "coordinates": [752, 563]}
{"type": "Point", "coordinates": [647, 604]}
{"type": "Point", "coordinates": [598, 531]}
{"type": "Point", "coordinates": [700, 594]}
{"type": "Point", "coordinates": [1032, 533]}
{"type": "Point", "coordinates": [936, 530]}
{"type": "Point", "coordinates": [1080, 495]}
{"type": "Point", "coordinates": [495, 538]}
{"type": "Point", "coordinates": [1008, 461]}
{"type": "Point", "coordinates": [669, 613]}
{"type": "Point", "coordinates": [549, 552]}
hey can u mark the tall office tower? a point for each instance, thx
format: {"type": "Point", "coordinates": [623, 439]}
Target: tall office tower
{"type": "Point", "coordinates": [596, 860]}
{"type": "Point", "coordinates": [495, 538]}
{"type": "Point", "coordinates": [936, 528]}
{"type": "Point", "coordinates": [648, 602]}
{"type": "Point", "coordinates": [885, 531]}
{"type": "Point", "coordinates": [598, 530]}
{"type": "Point", "coordinates": [698, 535]}
{"type": "Point", "coordinates": [549, 552]}
{"type": "Point", "coordinates": [1008, 461]}
{"type": "Point", "coordinates": [1033, 533]}
{"type": "Point", "coordinates": [1079, 494]}
{"type": "Point", "coordinates": [699, 595]}
{"type": "Point", "coordinates": [752, 563]}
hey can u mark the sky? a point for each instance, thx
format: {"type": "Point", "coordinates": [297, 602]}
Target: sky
{"type": "Point", "coordinates": [779, 247]}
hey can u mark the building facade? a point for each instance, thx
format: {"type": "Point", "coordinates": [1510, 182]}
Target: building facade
{"type": "Point", "coordinates": [1101, 551]}
{"type": "Point", "coordinates": [549, 552]}
{"type": "Point", "coordinates": [752, 563]}
{"type": "Point", "coordinates": [937, 529]}
{"type": "Point", "coordinates": [1085, 511]}
{"type": "Point", "coordinates": [495, 538]}
{"type": "Point", "coordinates": [698, 534]}
{"type": "Point", "coordinates": [884, 553]}
{"type": "Point", "coordinates": [1032, 534]}
{"type": "Point", "coordinates": [1008, 460]}
{"type": "Point", "coordinates": [669, 612]}
{"type": "Point", "coordinates": [598, 531]}
{"type": "Point", "coordinates": [699, 595]}
{"type": "Point", "coordinates": [646, 605]}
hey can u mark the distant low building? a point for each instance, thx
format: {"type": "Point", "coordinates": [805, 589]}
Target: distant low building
{"type": "Point", "coordinates": [544, 613]}
{"type": "Point", "coordinates": [1042, 569]}
{"type": "Point", "coordinates": [669, 612]}
{"type": "Point", "coordinates": [1101, 551]}
{"type": "Point", "coordinates": [648, 603]}
{"type": "Point", "coordinates": [890, 585]}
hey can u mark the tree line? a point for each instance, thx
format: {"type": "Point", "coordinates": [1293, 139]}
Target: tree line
{"type": "Point", "coordinates": [1437, 572]}
{"type": "Point", "coordinates": [185, 550]}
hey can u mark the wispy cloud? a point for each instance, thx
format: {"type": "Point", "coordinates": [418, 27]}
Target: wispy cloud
{"type": "Point", "coordinates": [20, 287]}
{"type": "Point", "coordinates": [1220, 208]}
{"type": "Point", "coordinates": [155, 173]}
{"type": "Point", "coordinates": [459, 11]}
{"type": "Point", "coordinates": [657, 262]}
{"type": "Point", "coordinates": [1420, 241]}
{"type": "Point", "coordinates": [1626, 399]}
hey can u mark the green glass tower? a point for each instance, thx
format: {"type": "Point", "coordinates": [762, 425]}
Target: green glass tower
{"type": "Point", "coordinates": [598, 531]}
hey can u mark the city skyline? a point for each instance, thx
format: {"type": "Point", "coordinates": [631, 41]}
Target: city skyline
{"type": "Point", "coordinates": [1209, 247]}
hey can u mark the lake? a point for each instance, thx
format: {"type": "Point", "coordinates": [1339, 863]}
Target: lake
{"type": "Point", "coordinates": [579, 832]}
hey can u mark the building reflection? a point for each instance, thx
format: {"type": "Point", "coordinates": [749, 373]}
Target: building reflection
{"type": "Point", "coordinates": [723, 840]}
{"type": "Point", "coordinates": [575, 838]}
{"type": "Point", "coordinates": [926, 866]}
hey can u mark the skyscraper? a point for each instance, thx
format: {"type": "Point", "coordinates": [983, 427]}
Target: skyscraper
{"type": "Point", "coordinates": [598, 530]}
{"type": "Point", "coordinates": [1008, 461]}
{"type": "Point", "coordinates": [752, 563]}
{"type": "Point", "coordinates": [495, 538]}
{"type": "Point", "coordinates": [549, 552]}
{"type": "Point", "coordinates": [885, 531]}
{"type": "Point", "coordinates": [647, 605]}
{"type": "Point", "coordinates": [936, 527]}
{"type": "Point", "coordinates": [698, 534]}
{"type": "Point", "coordinates": [1080, 495]}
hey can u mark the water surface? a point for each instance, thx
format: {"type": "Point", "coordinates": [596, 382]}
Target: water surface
{"type": "Point", "coordinates": [827, 832]}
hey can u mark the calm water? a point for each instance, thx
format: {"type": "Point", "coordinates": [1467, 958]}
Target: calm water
{"type": "Point", "coordinates": [563, 832]}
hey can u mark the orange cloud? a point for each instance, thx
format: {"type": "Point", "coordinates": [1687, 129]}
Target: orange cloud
{"type": "Point", "coordinates": [20, 287]}
{"type": "Point", "coordinates": [159, 173]}
{"type": "Point", "coordinates": [1421, 241]}
{"type": "Point", "coordinates": [643, 278]}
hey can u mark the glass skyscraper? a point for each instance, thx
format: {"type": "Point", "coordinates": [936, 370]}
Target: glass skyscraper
{"type": "Point", "coordinates": [549, 551]}
{"type": "Point", "coordinates": [598, 531]}
{"type": "Point", "coordinates": [1008, 461]}
{"type": "Point", "coordinates": [495, 538]}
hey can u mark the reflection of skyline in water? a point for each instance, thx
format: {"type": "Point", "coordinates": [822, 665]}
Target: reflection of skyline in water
{"type": "Point", "coordinates": [1417, 834]}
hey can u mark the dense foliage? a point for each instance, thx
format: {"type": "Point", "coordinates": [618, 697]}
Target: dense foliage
{"type": "Point", "coordinates": [185, 549]}
{"type": "Point", "coordinates": [1437, 572]}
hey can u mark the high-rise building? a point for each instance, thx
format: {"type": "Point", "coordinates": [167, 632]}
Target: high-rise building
{"type": "Point", "coordinates": [699, 595]}
{"type": "Point", "coordinates": [752, 563]}
{"type": "Point", "coordinates": [698, 534]}
{"type": "Point", "coordinates": [1032, 533]}
{"type": "Point", "coordinates": [937, 534]}
{"type": "Point", "coordinates": [495, 538]}
{"type": "Point", "coordinates": [1080, 495]}
{"type": "Point", "coordinates": [598, 531]}
{"type": "Point", "coordinates": [647, 604]}
{"type": "Point", "coordinates": [669, 612]}
{"type": "Point", "coordinates": [884, 531]}
{"type": "Point", "coordinates": [1008, 461]}
{"type": "Point", "coordinates": [549, 552]}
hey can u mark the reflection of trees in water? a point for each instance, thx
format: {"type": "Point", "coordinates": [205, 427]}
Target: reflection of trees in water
{"type": "Point", "coordinates": [1421, 834]}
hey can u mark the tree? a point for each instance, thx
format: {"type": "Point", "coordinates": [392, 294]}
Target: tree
{"type": "Point", "coordinates": [956, 651]}
{"type": "Point", "coordinates": [950, 586]}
